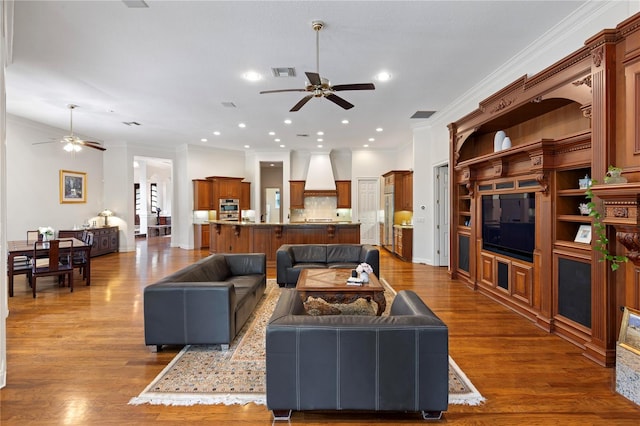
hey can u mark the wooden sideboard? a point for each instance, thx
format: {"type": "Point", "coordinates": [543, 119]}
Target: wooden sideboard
{"type": "Point", "coordinates": [105, 239]}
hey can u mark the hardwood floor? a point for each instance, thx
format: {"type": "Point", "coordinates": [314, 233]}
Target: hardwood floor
{"type": "Point", "coordinates": [77, 358]}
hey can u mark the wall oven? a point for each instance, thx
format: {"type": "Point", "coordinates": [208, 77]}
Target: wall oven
{"type": "Point", "coordinates": [229, 209]}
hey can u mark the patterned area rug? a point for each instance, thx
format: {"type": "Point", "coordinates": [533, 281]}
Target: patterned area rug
{"type": "Point", "coordinates": [207, 375]}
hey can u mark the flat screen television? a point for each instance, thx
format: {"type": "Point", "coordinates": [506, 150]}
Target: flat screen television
{"type": "Point", "coordinates": [509, 224]}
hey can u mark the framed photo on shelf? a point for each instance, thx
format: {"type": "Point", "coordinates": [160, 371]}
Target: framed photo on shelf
{"type": "Point", "coordinates": [584, 234]}
{"type": "Point", "coordinates": [73, 187]}
{"type": "Point", "coordinates": [630, 330]}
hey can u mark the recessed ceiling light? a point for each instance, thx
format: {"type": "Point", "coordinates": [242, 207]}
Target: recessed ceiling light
{"type": "Point", "coordinates": [247, 146]}
{"type": "Point", "coordinates": [366, 145]}
{"type": "Point", "coordinates": [319, 146]}
{"type": "Point", "coordinates": [282, 145]}
{"type": "Point", "coordinates": [217, 133]}
{"type": "Point", "coordinates": [287, 121]}
{"type": "Point", "coordinates": [320, 140]}
{"type": "Point", "coordinates": [383, 76]}
{"type": "Point", "coordinates": [379, 129]}
{"type": "Point", "coordinates": [252, 76]}
{"type": "Point", "coordinates": [242, 125]}
{"type": "Point", "coordinates": [371, 139]}
{"type": "Point", "coordinates": [272, 133]}
{"type": "Point", "coordinates": [320, 133]}
{"type": "Point", "coordinates": [204, 140]}
{"type": "Point", "coordinates": [345, 121]}
{"type": "Point", "coordinates": [276, 140]}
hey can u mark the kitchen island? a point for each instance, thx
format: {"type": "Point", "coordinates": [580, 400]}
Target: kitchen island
{"type": "Point", "coordinates": [247, 237]}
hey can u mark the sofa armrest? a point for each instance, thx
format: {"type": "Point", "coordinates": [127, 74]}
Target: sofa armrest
{"type": "Point", "coordinates": [247, 263]}
{"type": "Point", "coordinates": [284, 261]}
{"type": "Point", "coordinates": [407, 302]}
{"type": "Point", "coordinates": [371, 255]}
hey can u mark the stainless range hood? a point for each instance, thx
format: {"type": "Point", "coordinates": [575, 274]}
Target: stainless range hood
{"type": "Point", "coordinates": [320, 179]}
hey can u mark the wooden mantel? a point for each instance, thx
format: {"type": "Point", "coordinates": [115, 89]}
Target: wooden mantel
{"type": "Point", "coordinates": [621, 204]}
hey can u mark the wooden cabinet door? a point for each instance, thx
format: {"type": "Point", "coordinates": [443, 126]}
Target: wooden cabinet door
{"type": "Point", "coordinates": [407, 192]}
{"type": "Point", "coordinates": [296, 196]}
{"type": "Point", "coordinates": [343, 189]}
{"type": "Point", "coordinates": [201, 194]}
{"type": "Point", "coordinates": [245, 195]}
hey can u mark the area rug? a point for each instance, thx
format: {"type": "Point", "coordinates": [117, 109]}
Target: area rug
{"type": "Point", "coordinates": [204, 374]}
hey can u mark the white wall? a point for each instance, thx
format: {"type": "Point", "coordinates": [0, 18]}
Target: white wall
{"type": "Point", "coordinates": [431, 138]}
{"type": "Point", "coordinates": [33, 186]}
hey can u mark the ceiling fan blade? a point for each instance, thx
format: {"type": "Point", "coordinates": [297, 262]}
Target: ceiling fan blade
{"type": "Point", "coordinates": [359, 86]}
{"type": "Point", "coordinates": [93, 144]}
{"type": "Point", "coordinates": [282, 90]}
{"type": "Point", "coordinates": [314, 78]}
{"type": "Point", "coordinates": [339, 101]}
{"type": "Point", "coordinates": [301, 103]}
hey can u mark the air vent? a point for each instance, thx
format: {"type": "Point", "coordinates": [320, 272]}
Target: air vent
{"type": "Point", "coordinates": [131, 123]}
{"type": "Point", "coordinates": [284, 72]}
{"type": "Point", "coordinates": [302, 135]}
{"type": "Point", "coordinates": [423, 114]}
{"type": "Point", "coordinates": [135, 3]}
{"type": "Point", "coordinates": [228, 105]}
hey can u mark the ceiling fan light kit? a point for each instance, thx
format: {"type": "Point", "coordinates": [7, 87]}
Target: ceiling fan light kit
{"type": "Point", "coordinates": [319, 87]}
{"type": "Point", "coordinates": [73, 143]}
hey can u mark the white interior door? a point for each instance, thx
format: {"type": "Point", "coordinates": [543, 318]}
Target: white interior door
{"type": "Point", "coordinates": [367, 208]}
{"type": "Point", "coordinates": [442, 222]}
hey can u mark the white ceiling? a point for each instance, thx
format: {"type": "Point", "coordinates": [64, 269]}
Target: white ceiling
{"type": "Point", "coordinates": [171, 66]}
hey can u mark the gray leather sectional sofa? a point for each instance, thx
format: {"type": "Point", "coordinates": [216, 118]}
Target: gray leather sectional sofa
{"type": "Point", "coordinates": [292, 258]}
{"type": "Point", "coordinates": [207, 302]}
{"type": "Point", "coordinates": [346, 362]}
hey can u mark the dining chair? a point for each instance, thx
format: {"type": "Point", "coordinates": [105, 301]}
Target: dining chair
{"type": "Point", "coordinates": [81, 258]}
{"type": "Point", "coordinates": [52, 258]}
{"type": "Point", "coordinates": [22, 264]}
{"type": "Point", "coordinates": [33, 236]}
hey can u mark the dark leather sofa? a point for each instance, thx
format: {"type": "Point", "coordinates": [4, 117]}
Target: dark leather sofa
{"type": "Point", "coordinates": [292, 258]}
{"type": "Point", "coordinates": [207, 302]}
{"type": "Point", "coordinates": [346, 362]}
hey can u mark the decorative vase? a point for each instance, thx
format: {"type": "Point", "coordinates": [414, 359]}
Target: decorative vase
{"type": "Point", "coordinates": [364, 276]}
{"type": "Point", "coordinates": [506, 143]}
{"type": "Point", "coordinates": [614, 176]}
{"type": "Point", "coordinates": [498, 139]}
{"type": "Point", "coordinates": [46, 237]}
{"type": "Point", "coordinates": [584, 209]}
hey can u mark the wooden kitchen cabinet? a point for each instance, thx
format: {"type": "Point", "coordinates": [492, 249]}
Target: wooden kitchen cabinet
{"type": "Point", "coordinates": [403, 239]}
{"type": "Point", "coordinates": [343, 189]}
{"type": "Point", "coordinates": [202, 195]}
{"type": "Point", "coordinates": [201, 236]}
{"type": "Point", "coordinates": [400, 183]}
{"type": "Point", "coordinates": [224, 187]}
{"type": "Point", "coordinates": [245, 195]}
{"type": "Point", "coordinates": [296, 194]}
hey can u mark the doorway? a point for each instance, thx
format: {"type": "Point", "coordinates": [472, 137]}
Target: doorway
{"type": "Point", "coordinates": [273, 212]}
{"type": "Point", "coordinates": [442, 215]}
{"type": "Point", "coordinates": [368, 210]}
{"type": "Point", "coordinates": [153, 196]}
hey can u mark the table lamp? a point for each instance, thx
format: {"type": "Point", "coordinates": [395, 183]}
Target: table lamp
{"type": "Point", "coordinates": [106, 213]}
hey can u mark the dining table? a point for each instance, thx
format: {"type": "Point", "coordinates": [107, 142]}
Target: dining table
{"type": "Point", "coordinates": [25, 248]}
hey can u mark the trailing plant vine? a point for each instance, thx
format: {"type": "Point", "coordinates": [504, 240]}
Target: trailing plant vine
{"type": "Point", "coordinates": [600, 233]}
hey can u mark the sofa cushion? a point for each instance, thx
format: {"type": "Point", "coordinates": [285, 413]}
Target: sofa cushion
{"type": "Point", "coordinates": [343, 265]}
{"type": "Point", "coordinates": [309, 254]}
{"type": "Point", "coordinates": [344, 253]}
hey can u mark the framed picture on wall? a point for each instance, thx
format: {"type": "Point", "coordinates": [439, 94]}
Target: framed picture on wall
{"type": "Point", "coordinates": [73, 187]}
{"type": "Point", "coordinates": [584, 234]}
{"type": "Point", "coordinates": [630, 330]}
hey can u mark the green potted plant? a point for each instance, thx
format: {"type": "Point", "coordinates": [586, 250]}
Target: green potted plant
{"type": "Point", "coordinates": [600, 232]}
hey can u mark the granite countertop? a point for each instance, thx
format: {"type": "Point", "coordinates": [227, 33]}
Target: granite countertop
{"type": "Point", "coordinates": [224, 222]}
{"type": "Point", "coordinates": [403, 226]}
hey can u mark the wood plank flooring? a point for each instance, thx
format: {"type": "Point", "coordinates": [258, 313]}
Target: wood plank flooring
{"type": "Point", "coordinates": [77, 358]}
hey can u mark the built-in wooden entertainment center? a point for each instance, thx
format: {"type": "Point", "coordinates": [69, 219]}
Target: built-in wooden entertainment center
{"type": "Point", "coordinates": [571, 120]}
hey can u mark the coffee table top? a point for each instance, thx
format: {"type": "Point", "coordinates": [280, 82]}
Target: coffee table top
{"type": "Point", "coordinates": [333, 279]}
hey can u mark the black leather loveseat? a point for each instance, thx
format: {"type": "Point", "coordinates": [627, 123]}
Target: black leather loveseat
{"type": "Point", "coordinates": [398, 362]}
{"type": "Point", "coordinates": [207, 302]}
{"type": "Point", "coordinates": [292, 258]}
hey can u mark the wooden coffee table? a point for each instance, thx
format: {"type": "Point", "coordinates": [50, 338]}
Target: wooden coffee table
{"type": "Point", "coordinates": [331, 286]}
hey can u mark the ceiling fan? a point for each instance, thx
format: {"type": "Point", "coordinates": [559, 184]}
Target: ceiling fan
{"type": "Point", "coordinates": [321, 87]}
{"type": "Point", "coordinates": [73, 143]}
